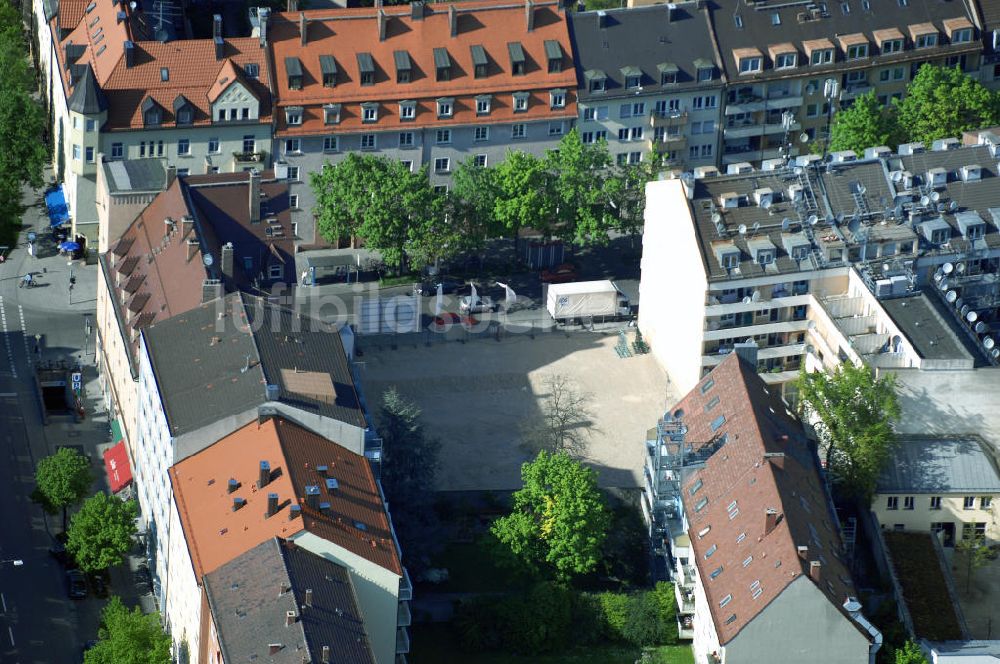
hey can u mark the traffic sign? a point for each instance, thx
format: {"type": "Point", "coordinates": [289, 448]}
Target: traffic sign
{"type": "Point", "coordinates": [76, 377]}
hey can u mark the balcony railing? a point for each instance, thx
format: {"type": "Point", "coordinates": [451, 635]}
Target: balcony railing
{"type": "Point", "coordinates": [403, 617]}
{"type": "Point", "coordinates": [248, 157]}
{"type": "Point", "coordinates": [749, 129]}
{"type": "Point", "coordinates": [667, 118]}
{"type": "Point", "coordinates": [685, 627]}
{"type": "Point", "coordinates": [405, 587]}
{"type": "Point", "coordinates": [402, 640]}
{"type": "Point", "coordinates": [685, 601]}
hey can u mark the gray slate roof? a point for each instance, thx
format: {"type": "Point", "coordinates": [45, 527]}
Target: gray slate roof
{"type": "Point", "coordinates": [934, 465]}
{"type": "Point", "coordinates": [135, 175]}
{"type": "Point", "coordinates": [643, 38]}
{"type": "Point", "coordinates": [249, 598]}
{"type": "Point", "coordinates": [87, 97]}
{"type": "Point", "coordinates": [208, 368]}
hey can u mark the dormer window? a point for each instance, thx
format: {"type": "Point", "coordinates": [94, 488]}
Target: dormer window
{"type": "Point", "coordinates": [751, 65]}
{"type": "Point", "coordinates": [520, 102]}
{"type": "Point", "coordinates": [407, 110]}
{"type": "Point", "coordinates": [784, 60]}
{"type": "Point", "coordinates": [369, 112]}
{"type": "Point", "coordinates": [479, 61]}
{"type": "Point", "coordinates": [484, 104]}
{"type": "Point", "coordinates": [705, 69]}
{"type": "Point", "coordinates": [554, 55]}
{"type": "Point", "coordinates": [331, 114]}
{"type": "Point", "coordinates": [293, 115]}
{"type": "Point", "coordinates": [857, 51]}
{"type": "Point", "coordinates": [925, 41]}
{"type": "Point", "coordinates": [518, 63]}
{"type": "Point", "coordinates": [183, 111]}
{"type": "Point", "coordinates": [632, 77]}
{"type": "Point", "coordinates": [892, 46]}
{"type": "Point", "coordinates": [962, 36]}
{"type": "Point", "coordinates": [668, 73]}
{"type": "Point", "coordinates": [404, 69]}
{"type": "Point", "coordinates": [596, 79]}
{"type": "Point", "coordinates": [442, 64]}
{"type": "Point", "coordinates": [293, 67]}
{"type": "Point", "coordinates": [557, 99]}
{"type": "Point", "coordinates": [823, 56]}
{"type": "Point", "coordinates": [366, 69]}
{"type": "Point", "coordinates": [445, 107]}
{"type": "Point", "coordinates": [252, 70]}
{"type": "Point", "coordinates": [328, 67]}
{"type": "Point", "coordinates": [765, 256]}
{"type": "Point", "coordinates": [152, 114]}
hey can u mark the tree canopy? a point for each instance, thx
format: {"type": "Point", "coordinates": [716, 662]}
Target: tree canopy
{"type": "Point", "coordinates": [865, 124]}
{"type": "Point", "coordinates": [62, 479]}
{"type": "Point", "coordinates": [910, 653]}
{"type": "Point", "coordinates": [853, 413]}
{"type": "Point", "coordinates": [127, 636]}
{"type": "Point", "coordinates": [101, 532]}
{"type": "Point", "coordinates": [559, 520]}
{"type": "Point", "coordinates": [941, 102]}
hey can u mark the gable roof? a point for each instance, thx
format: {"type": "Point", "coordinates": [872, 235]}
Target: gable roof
{"type": "Point", "coordinates": [355, 518]}
{"type": "Point", "coordinates": [758, 459]}
{"type": "Point", "coordinates": [250, 596]}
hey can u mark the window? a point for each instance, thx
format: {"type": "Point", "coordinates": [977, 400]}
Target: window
{"type": "Point", "coordinates": [973, 531]}
{"type": "Point", "coordinates": [520, 102]}
{"type": "Point", "coordinates": [700, 505]}
{"type": "Point", "coordinates": [90, 155]}
{"type": "Point", "coordinates": [183, 147]}
{"type": "Point", "coordinates": [75, 122]}
{"type": "Point", "coordinates": [589, 114]}
{"type": "Point", "coordinates": [765, 256]}
{"type": "Point", "coordinates": [293, 173]}
{"type": "Point", "coordinates": [775, 19]}
{"type": "Point", "coordinates": [276, 271]}
{"type": "Point", "coordinates": [598, 84]}
{"type": "Point", "coordinates": [726, 600]}
{"type": "Point", "coordinates": [213, 170]}
{"type": "Point", "coordinates": [935, 502]}
{"type": "Point", "coordinates": [483, 105]}
{"type": "Point", "coordinates": [251, 70]}
{"type": "Point", "coordinates": [961, 36]}
{"type": "Point", "coordinates": [293, 115]}
{"type": "Point", "coordinates": [329, 144]}
{"type": "Point", "coordinates": [908, 502]}
{"type": "Point", "coordinates": [482, 134]}
{"type": "Point", "coordinates": [712, 403]}
{"type": "Point", "coordinates": [985, 502]}
{"type": "Point", "coordinates": [600, 135]}
{"type": "Point", "coordinates": [517, 131]}
{"type": "Point", "coordinates": [183, 171]}
{"type": "Point", "coordinates": [716, 572]}
{"type": "Point", "coordinates": [245, 113]}
{"type": "Point", "coordinates": [858, 76]}
{"type": "Point", "coordinates": [712, 549]}
{"type": "Point", "coordinates": [159, 148]}
{"type": "Point", "coordinates": [222, 114]}
{"type": "Point", "coordinates": [706, 73]}
{"type": "Point", "coordinates": [443, 136]}
{"type": "Point", "coordinates": [892, 46]}
{"type": "Point", "coordinates": [367, 141]}
{"type": "Point", "coordinates": [442, 165]}
{"type": "Point", "coordinates": [857, 51]}
{"type": "Point", "coordinates": [164, 74]}
{"type": "Point", "coordinates": [635, 134]}
{"type": "Point", "coordinates": [697, 485]}
{"type": "Point", "coordinates": [152, 117]}
{"type": "Point", "coordinates": [407, 164]}
{"type": "Point", "coordinates": [747, 561]}
{"type": "Point", "coordinates": [822, 56]}
{"type": "Point", "coordinates": [407, 110]}
{"type": "Point", "coordinates": [668, 77]}
{"type": "Point", "coordinates": [632, 82]}
{"type": "Point", "coordinates": [292, 145]}
{"type": "Point", "coordinates": [117, 150]}
{"type": "Point", "coordinates": [441, 189]}
{"type": "Point", "coordinates": [883, 75]}
{"type": "Point", "coordinates": [213, 146]}
{"type": "Point", "coordinates": [445, 108]}
{"type": "Point", "coordinates": [249, 144]}
{"type": "Point", "coordinates": [406, 139]}
{"type": "Point", "coordinates": [623, 134]}
{"type": "Point", "coordinates": [557, 99]}
{"type": "Point", "coordinates": [233, 113]}
{"type": "Point", "coordinates": [707, 385]}
{"type": "Point", "coordinates": [622, 159]}
{"type": "Point", "coordinates": [750, 65]}
{"type": "Point", "coordinates": [718, 422]}
{"type": "Point", "coordinates": [480, 160]}
{"type": "Point", "coordinates": [91, 124]}
{"type": "Point", "coordinates": [587, 137]}
{"type": "Point", "coordinates": [556, 129]}
{"type": "Point", "coordinates": [331, 114]}
{"type": "Point", "coordinates": [706, 150]}
{"type": "Point", "coordinates": [369, 112]}
{"type": "Point", "coordinates": [625, 111]}
{"type": "Point", "coordinates": [925, 41]}
{"type": "Point", "coordinates": [784, 61]}
{"type": "Point", "coordinates": [892, 503]}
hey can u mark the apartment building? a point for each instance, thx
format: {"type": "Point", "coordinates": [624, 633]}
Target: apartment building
{"type": "Point", "coordinates": [203, 105]}
{"type": "Point", "coordinates": [734, 493]}
{"type": "Point", "coordinates": [940, 485]}
{"type": "Point", "coordinates": [877, 258]}
{"type": "Point", "coordinates": [428, 84]}
{"type": "Point", "coordinates": [192, 240]}
{"type": "Point", "coordinates": [650, 82]}
{"type": "Point", "coordinates": [273, 478]}
{"type": "Point", "coordinates": [209, 371]}
{"type": "Point", "coordinates": [778, 58]}
{"type": "Point", "coordinates": [278, 601]}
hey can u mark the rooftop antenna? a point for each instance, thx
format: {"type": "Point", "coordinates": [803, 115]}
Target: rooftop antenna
{"type": "Point", "coordinates": [742, 229]}
{"type": "Point", "coordinates": [812, 220]}
{"type": "Point", "coordinates": [935, 196]}
{"type": "Point", "coordinates": [953, 206]}
{"type": "Point", "coordinates": [756, 227]}
{"type": "Point", "coordinates": [786, 224]}
{"type": "Point", "coordinates": [830, 219]}
{"type": "Point", "coordinates": [246, 367]}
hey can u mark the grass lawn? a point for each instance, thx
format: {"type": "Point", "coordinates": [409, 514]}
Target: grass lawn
{"type": "Point", "coordinates": [433, 644]}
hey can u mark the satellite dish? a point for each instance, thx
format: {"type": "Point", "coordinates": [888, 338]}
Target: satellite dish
{"type": "Point", "coordinates": [941, 207]}
{"type": "Point", "coordinates": [964, 309]}
{"type": "Point", "coordinates": [756, 226]}
{"type": "Point", "coordinates": [953, 206]}
{"type": "Point", "coordinates": [854, 225]}
{"type": "Point", "coordinates": [943, 285]}
{"type": "Point", "coordinates": [951, 296]}
{"type": "Point", "coordinates": [958, 303]}
{"type": "Point", "coordinates": [897, 176]}
{"type": "Point", "coordinates": [812, 220]}
{"type": "Point", "coordinates": [747, 300]}
{"type": "Point", "coordinates": [935, 196]}
{"type": "Point", "coordinates": [839, 218]}
{"type": "Point", "coordinates": [830, 219]}
{"type": "Point", "coordinates": [862, 189]}
{"type": "Point", "coordinates": [947, 268]}
{"type": "Point", "coordinates": [939, 275]}
{"type": "Point", "coordinates": [925, 201]}
{"type": "Point", "coordinates": [742, 229]}
{"type": "Point", "coordinates": [972, 317]}
{"type": "Point", "coordinates": [766, 204]}
{"type": "Point", "coordinates": [803, 137]}
{"type": "Point", "coordinates": [988, 343]}
{"type": "Point", "coordinates": [786, 224]}
{"type": "Point", "coordinates": [995, 353]}
{"type": "Point", "coordinates": [207, 260]}
{"type": "Point", "coordinates": [981, 327]}
{"type": "Point", "coordinates": [960, 268]}
{"type": "Point", "coordinates": [755, 296]}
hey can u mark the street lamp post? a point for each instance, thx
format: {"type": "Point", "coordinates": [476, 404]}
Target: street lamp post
{"type": "Point", "coordinates": [87, 329]}
{"type": "Point", "coordinates": [831, 88]}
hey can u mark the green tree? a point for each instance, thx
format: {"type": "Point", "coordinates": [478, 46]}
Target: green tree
{"type": "Point", "coordinates": [865, 124]}
{"type": "Point", "coordinates": [941, 102]}
{"type": "Point", "coordinates": [471, 203]}
{"type": "Point", "coordinates": [525, 197]}
{"type": "Point", "coordinates": [976, 554]}
{"type": "Point", "coordinates": [559, 520]}
{"type": "Point", "coordinates": [127, 636]}
{"type": "Point", "coordinates": [910, 653]}
{"type": "Point", "coordinates": [585, 212]}
{"type": "Point", "coordinates": [625, 187]}
{"type": "Point", "coordinates": [62, 479]}
{"type": "Point", "coordinates": [853, 412]}
{"type": "Point", "coordinates": [409, 465]}
{"type": "Point", "coordinates": [101, 532]}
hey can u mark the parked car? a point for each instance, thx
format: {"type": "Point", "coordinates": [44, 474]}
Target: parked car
{"type": "Point", "coordinates": [477, 304]}
{"type": "Point", "coordinates": [98, 584]}
{"type": "Point", "coordinates": [449, 286]}
{"type": "Point", "coordinates": [559, 274]}
{"type": "Point", "coordinates": [76, 584]}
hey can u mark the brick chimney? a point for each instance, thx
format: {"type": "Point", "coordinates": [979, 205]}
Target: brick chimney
{"type": "Point", "coordinates": [210, 290]}
{"type": "Point", "coordinates": [326, 655]}
{"type": "Point", "coordinates": [272, 504]}
{"type": "Point", "coordinates": [220, 44]}
{"type": "Point", "coordinates": [227, 260]}
{"type": "Point", "coordinates": [169, 177]}
{"type": "Point", "coordinates": [453, 20]}
{"type": "Point", "coordinates": [253, 194]}
{"type": "Point", "coordinates": [770, 520]}
{"type": "Point", "coordinates": [417, 10]}
{"type": "Point", "coordinates": [309, 597]}
{"type": "Point", "coordinates": [289, 618]}
{"type": "Point", "coordinates": [233, 486]}
{"type": "Point", "coordinates": [803, 552]}
{"type": "Point", "coordinates": [381, 24]}
{"type": "Point", "coordinates": [187, 225]}
{"type": "Point", "coordinates": [815, 570]}
{"type": "Point", "coordinates": [303, 28]}
{"type": "Point", "coordinates": [529, 14]}
{"type": "Point", "coordinates": [264, 478]}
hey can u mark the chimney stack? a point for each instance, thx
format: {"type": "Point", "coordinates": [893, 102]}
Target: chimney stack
{"type": "Point", "coordinates": [272, 504]}
{"type": "Point", "coordinates": [529, 14]}
{"type": "Point", "coordinates": [289, 618]}
{"type": "Point", "coordinates": [211, 289]}
{"type": "Point", "coordinates": [312, 496]}
{"type": "Point", "coordinates": [747, 351]}
{"type": "Point", "coordinates": [238, 503]}
{"type": "Point", "coordinates": [192, 247]}
{"type": "Point", "coordinates": [227, 260]}
{"type": "Point", "coordinates": [417, 10]}
{"type": "Point", "coordinates": [263, 14]}
{"type": "Point", "coordinates": [233, 486]}
{"type": "Point", "coordinates": [220, 45]}
{"type": "Point", "coordinates": [326, 655]}
{"type": "Point", "coordinates": [293, 6]}
{"type": "Point", "coordinates": [453, 20]}
{"type": "Point", "coordinates": [303, 27]}
{"type": "Point", "coordinates": [171, 175]}
{"type": "Point", "coordinates": [187, 223]}
{"type": "Point", "coordinates": [294, 511]}
{"type": "Point", "coordinates": [381, 24]}
{"type": "Point", "coordinates": [254, 196]}
{"type": "Point", "coordinates": [129, 53]}
{"type": "Point", "coordinates": [815, 569]}
{"type": "Point", "coordinates": [265, 475]}
{"type": "Point", "coordinates": [309, 597]}
{"type": "Point", "coordinates": [803, 552]}
{"type": "Point", "coordinates": [770, 520]}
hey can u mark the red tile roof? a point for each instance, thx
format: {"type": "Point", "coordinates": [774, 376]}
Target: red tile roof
{"type": "Point", "coordinates": [764, 462]}
{"type": "Point", "coordinates": [492, 25]}
{"type": "Point", "coordinates": [216, 534]}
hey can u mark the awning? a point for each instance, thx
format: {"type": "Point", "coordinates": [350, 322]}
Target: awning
{"type": "Point", "coordinates": [55, 202]}
{"type": "Point", "coordinates": [117, 466]}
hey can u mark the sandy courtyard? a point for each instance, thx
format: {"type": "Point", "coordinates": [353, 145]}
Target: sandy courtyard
{"type": "Point", "coordinates": [475, 396]}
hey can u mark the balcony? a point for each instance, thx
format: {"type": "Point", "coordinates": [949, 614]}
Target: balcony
{"type": "Point", "coordinates": [685, 626]}
{"type": "Point", "coordinates": [668, 119]}
{"type": "Point", "coordinates": [685, 600]}
{"type": "Point", "coordinates": [749, 129]}
{"type": "Point", "coordinates": [670, 143]}
{"type": "Point", "coordinates": [402, 640]}
{"type": "Point", "coordinates": [403, 617]}
{"type": "Point", "coordinates": [744, 331]}
{"type": "Point", "coordinates": [248, 157]}
{"type": "Point", "coordinates": [754, 104]}
{"type": "Point", "coordinates": [405, 587]}
{"type": "Point", "coordinates": [852, 90]}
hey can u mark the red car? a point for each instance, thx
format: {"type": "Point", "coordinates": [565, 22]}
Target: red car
{"type": "Point", "coordinates": [559, 274]}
